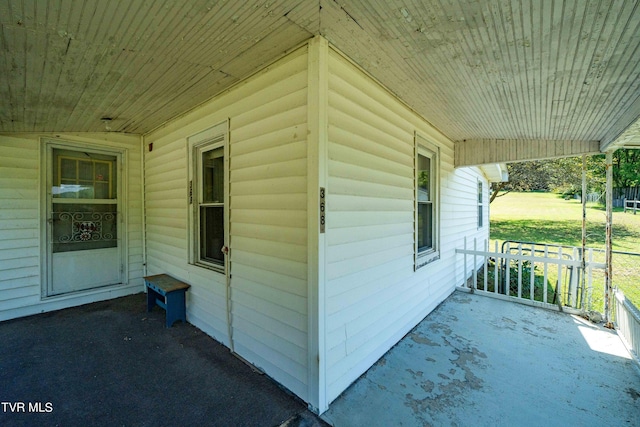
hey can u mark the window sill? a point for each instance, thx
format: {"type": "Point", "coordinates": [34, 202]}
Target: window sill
{"type": "Point", "coordinates": [216, 268]}
{"type": "Point", "coordinates": [426, 258]}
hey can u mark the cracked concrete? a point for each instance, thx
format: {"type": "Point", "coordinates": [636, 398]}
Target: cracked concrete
{"type": "Point", "coordinates": [485, 362]}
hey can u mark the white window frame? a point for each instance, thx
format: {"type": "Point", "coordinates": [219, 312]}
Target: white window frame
{"type": "Point", "coordinates": [481, 215]}
{"type": "Point", "coordinates": [424, 147]}
{"type": "Point", "coordinates": [209, 139]}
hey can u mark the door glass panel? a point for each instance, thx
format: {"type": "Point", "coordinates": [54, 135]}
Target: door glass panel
{"type": "Point", "coordinates": [90, 222]}
{"type": "Point", "coordinates": [81, 227]}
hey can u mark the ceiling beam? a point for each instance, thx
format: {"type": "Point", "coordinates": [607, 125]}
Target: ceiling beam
{"type": "Point", "coordinates": [474, 152]}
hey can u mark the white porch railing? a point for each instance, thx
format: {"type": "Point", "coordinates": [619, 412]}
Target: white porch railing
{"type": "Point", "coordinates": [536, 274]}
{"type": "Point", "coordinates": [627, 319]}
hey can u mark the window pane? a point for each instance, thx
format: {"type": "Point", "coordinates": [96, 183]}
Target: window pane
{"type": "Point", "coordinates": [424, 177]}
{"type": "Point", "coordinates": [85, 170]}
{"type": "Point", "coordinates": [212, 234]}
{"type": "Point", "coordinates": [68, 169]}
{"type": "Point", "coordinates": [425, 226]}
{"type": "Point", "coordinates": [81, 175]}
{"type": "Point", "coordinates": [213, 176]}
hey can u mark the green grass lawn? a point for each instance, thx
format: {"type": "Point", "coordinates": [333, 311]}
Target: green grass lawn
{"type": "Point", "coordinates": [548, 218]}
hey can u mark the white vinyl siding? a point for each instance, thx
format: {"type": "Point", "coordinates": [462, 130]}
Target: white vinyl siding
{"type": "Point", "coordinates": [267, 116]}
{"type": "Point", "coordinates": [373, 295]}
{"type": "Point", "coordinates": [268, 201]}
{"type": "Point", "coordinates": [21, 223]}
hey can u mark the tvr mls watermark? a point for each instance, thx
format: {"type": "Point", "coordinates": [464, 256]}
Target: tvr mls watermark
{"type": "Point", "coordinates": [30, 407]}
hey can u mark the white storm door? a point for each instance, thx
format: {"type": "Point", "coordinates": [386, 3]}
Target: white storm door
{"type": "Point", "coordinates": [83, 216]}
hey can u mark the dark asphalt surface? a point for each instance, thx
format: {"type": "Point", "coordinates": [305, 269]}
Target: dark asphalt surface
{"type": "Point", "coordinates": [113, 364]}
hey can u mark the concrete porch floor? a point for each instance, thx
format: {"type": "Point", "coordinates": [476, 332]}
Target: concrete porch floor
{"type": "Point", "coordinates": [479, 361]}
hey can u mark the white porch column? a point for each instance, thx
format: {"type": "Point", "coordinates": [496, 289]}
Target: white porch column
{"type": "Point", "coordinates": [608, 269]}
{"type": "Point", "coordinates": [583, 257]}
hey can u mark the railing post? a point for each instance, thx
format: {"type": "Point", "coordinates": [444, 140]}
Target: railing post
{"type": "Point", "coordinates": [608, 269]}
{"type": "Point", "coordinates": [559, 283]}
{"type": "Point", "coordinates": [496, 271]}
{"type": "Point", "coordinates": [532, 276]}
{"type": "Point", "coordinates": [507, 271]}
{"type": "Point", "coordinates": [475, 263]}
{"type": "Point", "coordinates": [584, 224]}
{"type": "Point", "coordinates": [486, 267]}
{"type": "Point", "coordinates": [519, 270]}
{"type": "Point", "coordinates": [464, 262]}
{"type": "Point", "coordinates": [590, 280]}
{"type": "Point", "coordinates": [545, 274]}
{"type": "Point", "coordinates": [574, 279]}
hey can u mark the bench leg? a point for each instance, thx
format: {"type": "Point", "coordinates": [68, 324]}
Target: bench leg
{"type": "Point", "coordinates": [175, 308]}
{"type": "Point", "coordinates": [151, 298]}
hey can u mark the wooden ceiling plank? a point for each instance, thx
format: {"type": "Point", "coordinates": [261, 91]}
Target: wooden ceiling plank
{"type": "Point", "coordinates": [530, 47]}
{"type": "Point", "coordinates": [494, 65]}
{"type": "Point", "coordinates": [126, 79]}
{"type": "Point", "coordinates": [512, 67]}
{"type": "Point", "coordinates": [438, 45]}
{"type": "Point", "coordinates": [5, 86]}
{"type": "Point", "coordinates": [87, 76]}
{"type": "Point", "coordinates": [47, 86]}
{"type": "Point", "coordinates": [433, 44]}
{"type": "Point", "coordinates": [184, 31]}
{"type": "Point", "coordinates": [101, 63]}
{"type": "Point", "coordinates": [604, 32]}
{"type": "Point", "coordinates": [485, 54]}
{"type": "Point", "coordinates": [55, 48]}
{"type": "Point", "coordinates": [172, 105]}
{"type": "Point", "coordinates": [74, 70]}
{"type": "Point", "coordinates": [265, 50]}
{"type": "Point", "coordinates": [180, 74]}
{"type": "Point", "coordinates": [589, 30]}
{"type": "Point", "coordinates": [146, 25]}
{"type": "Point", "coordinates": [567, 38]}
{"type": "Point", "coordinates": [217, 36]}
{"type": "Point", "coordinates": [394, 26]}
{"type": "Point", "coordinates": [620, 88]}
{"type": "Point", "coordinates": [16, 36]}
{"type": "Point", "coordinates": [34, 76]}
{"type": "Point", "coordinates": [254, 25]}
{"type": "Point", "coordinates": [551, 36]}
{"type": "Point", "coordinates": [217, 82]}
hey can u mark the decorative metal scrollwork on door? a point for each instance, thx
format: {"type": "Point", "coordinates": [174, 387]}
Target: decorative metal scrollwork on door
{"type": "Point", "coordinates": [84, 226]}
{"type": "Point", "coordinates": [84, 230]}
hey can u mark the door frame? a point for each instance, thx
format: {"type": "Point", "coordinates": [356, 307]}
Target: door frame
{"type": "Point", "coordinates": [46, 180]}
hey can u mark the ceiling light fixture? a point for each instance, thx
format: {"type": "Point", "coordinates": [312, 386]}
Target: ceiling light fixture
{"type": "Point", "coordinates": [107, 123]}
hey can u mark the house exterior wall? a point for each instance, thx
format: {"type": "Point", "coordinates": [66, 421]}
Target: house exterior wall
{"type": "Point", "coordinates": [372, 295]}
{"type": "Point", "coordinates": [267, 116]}
{"type": "Point", "coordinates": [313, 310]}
{"type": "Point", "coordinates": [22, 266]}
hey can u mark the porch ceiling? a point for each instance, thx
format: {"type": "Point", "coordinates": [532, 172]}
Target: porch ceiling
{"type": "Point", "coordinates": [519, 70]}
